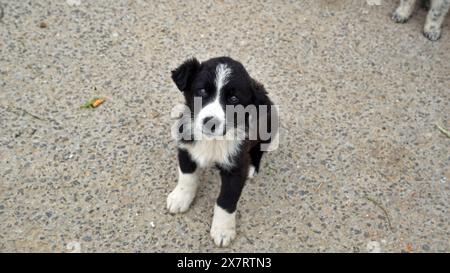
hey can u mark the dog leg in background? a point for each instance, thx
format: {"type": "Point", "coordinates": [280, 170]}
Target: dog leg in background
{"type": "Point", "coordinates": [182, 196]}
{"type": "Point", "coordinates": [435, 17]}
{"type": "Point", "coordinates": [404, 11]}
{"type": "Point", "coordinates": [223, 227]}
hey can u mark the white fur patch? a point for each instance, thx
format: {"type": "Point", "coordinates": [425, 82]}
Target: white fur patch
{"type": "Point", "coordinates": [213, 109]}
{"type": "Point", "coordinates": [182, 196]}
{"type": "Point", "coordinates": [251, 172]}
{"type": "Point", "coordinates": [209, 151]}
{"type": "Point", "coordinates": [223, 73]}
{"type": "Point", "coordinates": [223, 227]}
{"type": "Point", "coordinates": [405, 9]}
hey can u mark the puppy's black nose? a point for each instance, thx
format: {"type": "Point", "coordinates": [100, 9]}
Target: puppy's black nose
{"type": "Point", "coordinates": [210, 124]}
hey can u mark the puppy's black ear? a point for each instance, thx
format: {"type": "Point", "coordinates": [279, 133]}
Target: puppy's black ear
{"type": "Point", "coordinates": [260, 94]}
{"type": "Point", "coordinates": [260, 98]}
{"type": "Point", "coordinates": [183, 75]}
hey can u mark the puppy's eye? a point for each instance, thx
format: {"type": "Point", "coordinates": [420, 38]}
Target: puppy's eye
{"type": "Point", "coordinates": [233, 99]}
{"type": "Point", "coordinates": [202, 92]}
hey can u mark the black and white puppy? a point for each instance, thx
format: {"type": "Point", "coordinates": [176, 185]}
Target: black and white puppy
{"type": "Point", "coordinates": [209, 134]}
{"type": "Point", "coordinates": [435, 17]}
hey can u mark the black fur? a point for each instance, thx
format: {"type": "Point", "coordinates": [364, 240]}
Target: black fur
{"type": "Point", "coordinates": [233, 181]}
{"type": "Point", "coordinates": [182, 76]}
{"type": "Point", "coordinates": [187, 165]}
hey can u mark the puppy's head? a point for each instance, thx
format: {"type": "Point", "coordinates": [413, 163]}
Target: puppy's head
{"type": "Point", "coordinates": [211, 87]}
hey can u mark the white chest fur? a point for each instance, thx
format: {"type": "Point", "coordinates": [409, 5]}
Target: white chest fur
{"type": "Point", "coordinates": [207, 152]}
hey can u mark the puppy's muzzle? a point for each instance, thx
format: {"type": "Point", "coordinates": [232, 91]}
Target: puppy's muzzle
{"type": "Point", "coordinates": [212, 126]}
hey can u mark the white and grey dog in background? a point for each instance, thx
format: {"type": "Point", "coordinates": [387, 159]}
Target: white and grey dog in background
{"type": "Point", "coordinates": [435, 17]}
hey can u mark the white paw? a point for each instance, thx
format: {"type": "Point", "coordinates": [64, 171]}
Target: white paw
{"type": "Point", "coordinates": [179, 200]}
{"type": "Point", "coordinates": [398, 17]}
{"type": "Point", "coordinates": [432, 33]}
{"type": "Point", "coordinates": [223, 228]}
{"type": "Point", "coordinates": [223, 236]}
{"type": "Point", "coordinates": [402, 14]}
{"type": "Point", "coordinates": [251, 172]}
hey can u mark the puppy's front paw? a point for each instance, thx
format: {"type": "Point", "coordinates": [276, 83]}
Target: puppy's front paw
{"type": "Point", "coordinates": [223, 228]}
{"type": "Point", "coordinates": [400, 17]}
{"type": "Point", "coordinates": [179, 200]}
{"type": "Point", "coordinates": [223, 236]}
{"type": "Point", "coordinates": [432, 35]}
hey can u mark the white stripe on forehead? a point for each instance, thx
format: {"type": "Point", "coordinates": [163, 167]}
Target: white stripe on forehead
{"type": "Point", "coordinates": [215, 108]}
{"type": "Point", "coordinates": [223, 73]}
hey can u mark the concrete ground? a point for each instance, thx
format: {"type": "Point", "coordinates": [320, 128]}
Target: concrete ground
{"type": "Point", "coordinates": [361, 166]}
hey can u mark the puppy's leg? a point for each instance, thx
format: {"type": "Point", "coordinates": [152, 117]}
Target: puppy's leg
{"type": "Point", "coordinates": [223, 228]}
{"type": "Point", "coordinates": [182, 196]}
{"type": "Point", "coordinates": [404, 11]}
{"type": "Point", "coordinates": [255, 155]}
{"type": "Point", "coordinates": [435, 17]}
